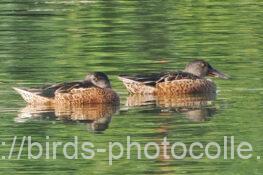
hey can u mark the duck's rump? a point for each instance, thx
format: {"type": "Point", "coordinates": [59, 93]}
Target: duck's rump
{"type": "Point", "coordinates": [31, 96]}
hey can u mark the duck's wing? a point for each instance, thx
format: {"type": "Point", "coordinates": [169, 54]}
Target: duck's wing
{"type": "Point", "coordinates": [45, 94]}
{"type": "Point", "coordinates": [149, 79]}
{"type": "Point", "coordinates": [153, 79]}
{"type": "Point", "coordinates": [48, 91]}
{"type": "Point", "coordinates": [64, 88]}
{"type": "Point", "coordinates": [171, 76]}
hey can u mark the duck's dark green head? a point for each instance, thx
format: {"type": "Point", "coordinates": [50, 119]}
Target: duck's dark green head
{"type": "Point", "coordinates": [202, 68]}
{"type": "Point", "coordinates": [99, 79]}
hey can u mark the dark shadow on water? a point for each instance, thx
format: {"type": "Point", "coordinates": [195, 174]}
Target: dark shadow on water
{"type": "Point", "coordinates": [96, 116]}
{"type": "Point", "coordinates": [197, 107]}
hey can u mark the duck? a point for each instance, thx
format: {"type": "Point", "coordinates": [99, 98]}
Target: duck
{"type": "Point", "coordinates": [94, 89]}
{"type": "Point", "coordinates": [191, 80]}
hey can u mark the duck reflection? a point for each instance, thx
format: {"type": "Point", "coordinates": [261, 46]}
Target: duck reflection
{"type": "Point", "coordinates": [196, 107]}
{"type": "Point", "coordinates": [96, 116]}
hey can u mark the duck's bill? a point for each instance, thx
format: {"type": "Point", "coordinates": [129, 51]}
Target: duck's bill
{"type": "Point", "coordinates": [216, 73]}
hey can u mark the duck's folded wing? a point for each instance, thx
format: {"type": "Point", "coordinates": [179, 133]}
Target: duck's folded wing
{"type": "Point", "coordinates": [149, 79]}
{"type": "Point", "coordinates": [63, 88]}
{"type": "Point", "coordinates": [171, 76]}
{"type": "Point", "coordinates": [46, 93]}
{"type": "Point", "coordinates": [153, 79]}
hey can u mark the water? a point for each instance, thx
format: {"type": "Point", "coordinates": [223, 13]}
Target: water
{"type": "Point", "coordinates": [54, 41]}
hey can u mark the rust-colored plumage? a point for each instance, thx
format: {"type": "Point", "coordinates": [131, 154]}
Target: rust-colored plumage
{"type": "Point", "coordinates": [88, 96]}
{"type": "Point", "coordinates": [95, 89]}
{"type": "Point", "coordinates": [191, 80]}
{"type": "Point", "coordinates": [185, 86]}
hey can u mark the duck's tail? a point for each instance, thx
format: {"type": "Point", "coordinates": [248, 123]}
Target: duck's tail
{"type": "Point", "coordinates": [31, 97]}
{"type": "Point", "coordinates": [136, 87]}
{"type": "Point", "coordinates": [126, 79]}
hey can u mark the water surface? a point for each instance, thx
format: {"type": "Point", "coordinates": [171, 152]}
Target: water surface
{"type": "Point", "coordinates": [49, 41]}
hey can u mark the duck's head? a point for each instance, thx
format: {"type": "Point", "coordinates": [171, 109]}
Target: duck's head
{"type": "Point", "coordinates": [202, 68]}
{"type": "Point", "coordinates": [99, 79]}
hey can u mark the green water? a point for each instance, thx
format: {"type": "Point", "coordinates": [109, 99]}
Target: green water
{"type": "Point", "coordinates": [48, 41]}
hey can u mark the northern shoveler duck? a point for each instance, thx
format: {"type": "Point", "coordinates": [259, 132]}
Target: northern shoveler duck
{"type": "Point", "coordinates": [190, 80]}
{"type": "Point", "coordinates": [94, 89]}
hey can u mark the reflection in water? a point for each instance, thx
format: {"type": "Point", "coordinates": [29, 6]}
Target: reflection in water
{"type": "Point", "coordinates": [97, 116]}
{"type": "Point", "coordinates": [198, 107]}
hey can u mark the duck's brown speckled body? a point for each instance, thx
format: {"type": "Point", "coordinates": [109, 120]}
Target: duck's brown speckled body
{"type": "Point", "coordinates": [95, 89]}
{"type": "Point", "coordinates": [191, 80]}
{"type": "Point", "coordinates": [88, 95]}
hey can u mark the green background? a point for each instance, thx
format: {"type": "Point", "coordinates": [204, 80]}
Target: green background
{"type": "Point", "coordinates": [53, 41]}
